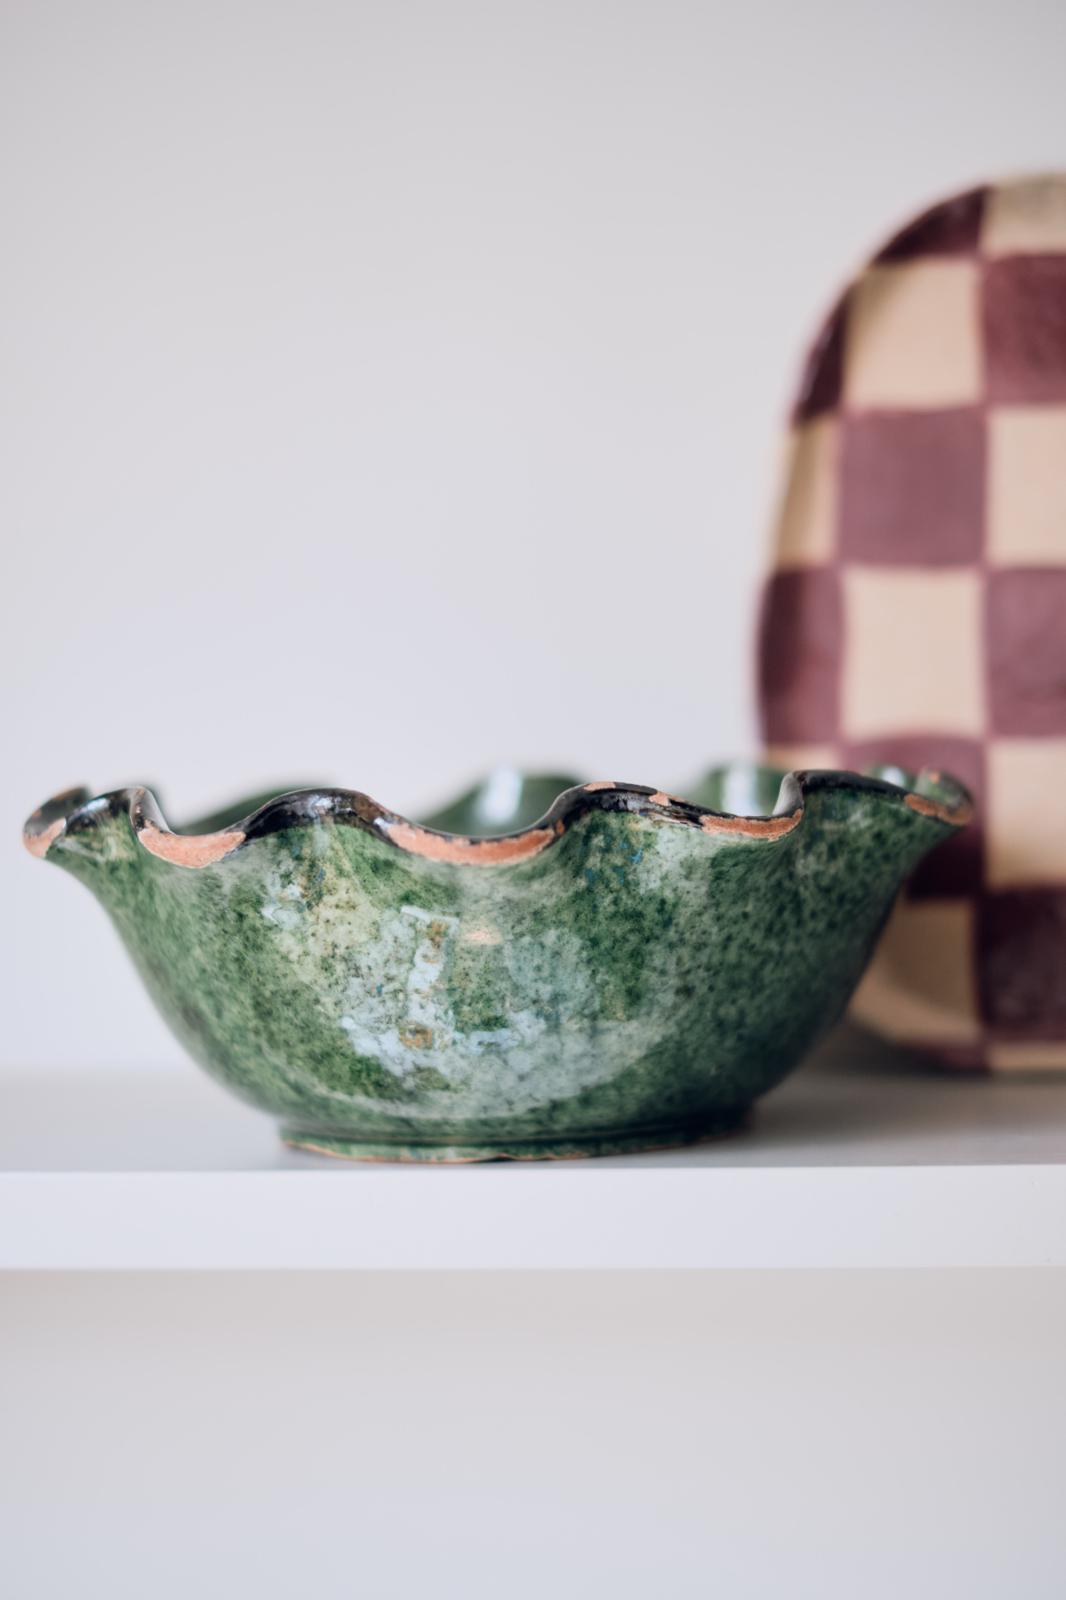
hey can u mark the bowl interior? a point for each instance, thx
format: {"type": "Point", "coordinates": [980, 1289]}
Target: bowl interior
{"type": "Point", "coordinates": [508, 801]}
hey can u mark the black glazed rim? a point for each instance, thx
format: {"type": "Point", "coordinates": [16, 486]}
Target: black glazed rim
{"type": "Point", "coordinates": [930, 794]}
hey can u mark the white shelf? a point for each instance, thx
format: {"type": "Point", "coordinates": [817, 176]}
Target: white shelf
{"type": "Point", "coordinates": [865, 1158]}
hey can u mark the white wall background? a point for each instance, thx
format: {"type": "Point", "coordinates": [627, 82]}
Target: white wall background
{"type": "Point", "coordinates": [389, 390]}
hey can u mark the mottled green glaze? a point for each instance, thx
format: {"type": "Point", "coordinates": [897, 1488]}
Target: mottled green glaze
{"type": "Point", "coordinates": [637, 982]}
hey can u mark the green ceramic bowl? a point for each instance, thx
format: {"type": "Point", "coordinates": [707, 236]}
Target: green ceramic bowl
{"type": "Point", "coordinates": [530, 972]}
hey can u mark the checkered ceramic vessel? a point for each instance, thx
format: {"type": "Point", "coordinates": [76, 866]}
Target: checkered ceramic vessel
{"type": "Point", "coordinates": [917, 608]}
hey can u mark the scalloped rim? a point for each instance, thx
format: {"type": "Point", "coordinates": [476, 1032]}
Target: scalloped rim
{"type": "Point", "coordinates": [76, 809]}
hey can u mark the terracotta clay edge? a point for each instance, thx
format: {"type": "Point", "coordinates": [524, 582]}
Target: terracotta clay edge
{"type": "Point", "coordinates": [753, 827]}
{"type": "Point", "coordinates": [348, 807]}
{"type": "Point", "coordinates": [189, 850]}
{"type": "Point", "coordinates": [957, 815]}
{"type": "Point", "coordinates": [462, 851]}
{"type": "Point", "coordinates": [39, 844]}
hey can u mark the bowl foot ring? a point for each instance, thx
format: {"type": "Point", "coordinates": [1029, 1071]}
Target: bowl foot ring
{"type": "Point", "coordinates": [606, 1144]}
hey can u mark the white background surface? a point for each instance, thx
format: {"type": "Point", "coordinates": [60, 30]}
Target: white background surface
{"type": "Point", "coordinates": [388, 391]}
{"type": "Point", "coordinates": [618, 1436]}
{"type": "Point", "coordinates": [861, 1160]}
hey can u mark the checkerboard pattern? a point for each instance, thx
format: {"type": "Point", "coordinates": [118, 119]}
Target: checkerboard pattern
{"type": "Point", "coordinates": [916, 613]}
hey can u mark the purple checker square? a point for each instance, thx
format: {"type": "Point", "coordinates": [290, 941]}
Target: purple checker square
{"type": "Point", "coordinates": [951, 228]}
{"type": "Point", "coordinates": [1021, 958]}
{"type": "Point", "coordinates": [800, 647]}
{"type": "Point", "coordinates": [1024, 319]}
{"type": "Point", "coordinates": [1025, 632]}
{"type": "Point", "coordinates": [912, 487]}
{"type": "Point", "coordinates": [822, 382]}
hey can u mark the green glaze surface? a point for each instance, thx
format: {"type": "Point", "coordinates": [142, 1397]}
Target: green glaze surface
{"type": "Point", "coordinates": [628, 971]}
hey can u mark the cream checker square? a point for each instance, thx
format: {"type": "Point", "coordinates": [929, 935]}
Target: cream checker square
{"type": "Point", "coordinates": [802, 757]}
{"type": "Point", "coordinates": [1027, 484]}
{"type": "Point", "coordinates": [912, 660]}
{"type": "Point", "coordinates": [1025, 217]}
{"type": "Point", "coordinates": [1025, 783]}
{"type": "Point", "coordinates": [1038, 1055]}
{"type": "Point", "coordinates": [913, 336]}
{"type": "Point", "coordinates": [806, 526]}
